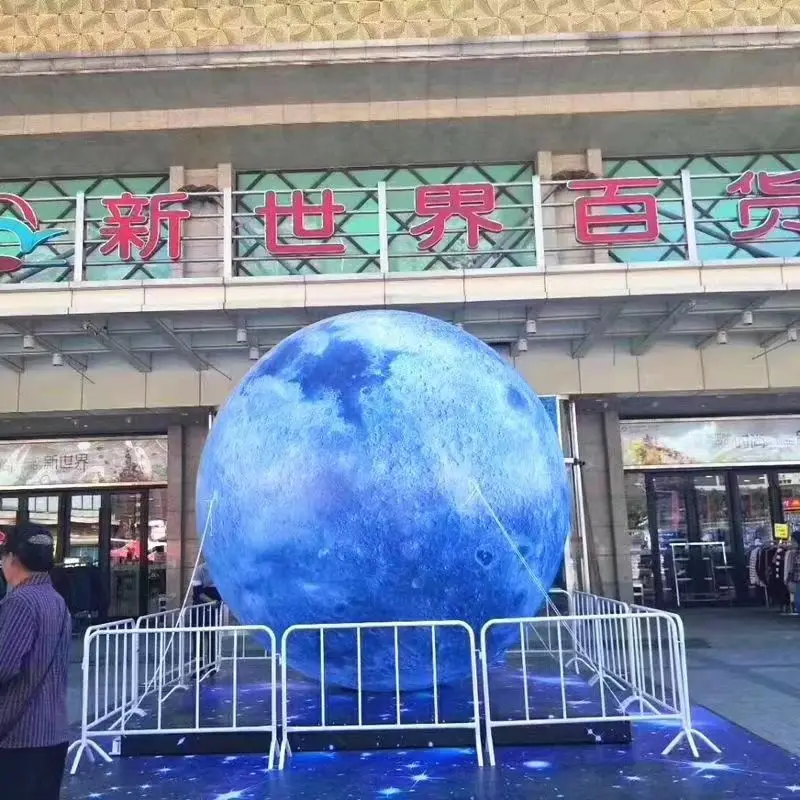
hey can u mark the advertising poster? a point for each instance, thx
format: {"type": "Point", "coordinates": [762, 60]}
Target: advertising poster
{"type": "Point", "coordinates": [710, 442]}
{"type": "Point", "coordinates": [83, 462]}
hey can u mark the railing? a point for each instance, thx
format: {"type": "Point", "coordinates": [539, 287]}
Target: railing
{"type": "Point", "coordinates": [627, 662]}
{"type": "Point", "coordinates": [352, 656]}
{"type": "Point", "coordinates": [106, 684]}
{"type": "Point", "coordinates": [128, 715]}
{"type": "Point", "coordinates": [395, 228]}
{"type": "Point", "coordinates": [163, 662]}
{"type": "Point", "coordinates": [636, 662]}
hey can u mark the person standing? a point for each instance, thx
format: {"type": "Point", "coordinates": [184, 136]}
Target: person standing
{"type": "Point", "coordinates": [203, 589]}
{"type": "Point", "coordinates": [35, 634]}
{"type": "Point", "coordinates": [203, 593]}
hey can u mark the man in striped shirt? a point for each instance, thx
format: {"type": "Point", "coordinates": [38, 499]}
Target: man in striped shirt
{"type": "Point", "coordinates": [35, 629]}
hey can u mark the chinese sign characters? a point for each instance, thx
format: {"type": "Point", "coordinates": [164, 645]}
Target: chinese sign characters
{"type": "Point", "coordinates": [135, 226]}
{"type": "Point", "coordinates": [76, 462]}
{"type": "Point", "coordinates": [635, 217]}
{"type": "Point", "coordinates": [472, 205]}
{"type": "Point", "coordinates": [774, 194]}
{"type": "Point", "coordinates": [408, 220]}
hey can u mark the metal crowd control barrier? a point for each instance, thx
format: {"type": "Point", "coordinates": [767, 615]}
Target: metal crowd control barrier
{"type": "Point", "coordinates": [637, 658]}
{"type": "Point", "coordinates": [398, 724]}
{"type": "Point", "coordinates": [105, 698]}
{"type": "Point", "coordinates": [160, 662]}
{"type": "Point", "coordinates": [125, 664]}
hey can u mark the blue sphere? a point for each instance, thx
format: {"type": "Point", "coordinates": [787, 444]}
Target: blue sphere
{"type": "Point", "coordinates": [358, 473]}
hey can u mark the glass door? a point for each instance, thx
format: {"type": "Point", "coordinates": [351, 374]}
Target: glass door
{"type": "Point", "coordinates": [642, 564]}
{"type": "Point", "coordinates": [84, 530]}
{"type": "Point", "coordinates": [47, 510]}
{"type": "Point", "coordinates": [755, 508]}
{"type": "Point", "coordinates": [711, 553]}
{"type": "Point", "coordinates": [669, 532]}
{"type": "Point", "coordinates": [691, 533]}
{"type": "Point", "coordinates": [126, 556]}
{"type": "Point", "coordinates": [789, 488]}
{"type": "Point", "coordinates": [157, 551]}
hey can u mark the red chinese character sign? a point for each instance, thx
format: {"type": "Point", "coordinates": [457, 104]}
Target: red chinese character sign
{"type": "Point", "coordinates": [635, 211]}
{"type": "Point", "coordinates": [773, 194]}
{"type": "Point", "coordinates": [315, 241]}
{"type": "Point", "coordinates": [141, 225]}
{"type": "Point", "coordinates": [473, 204]}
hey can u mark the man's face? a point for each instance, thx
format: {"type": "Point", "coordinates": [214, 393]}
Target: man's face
{"type": "Point", "coordinates": [5, 564]}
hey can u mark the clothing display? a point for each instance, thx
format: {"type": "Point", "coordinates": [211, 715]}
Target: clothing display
{"type": "Point", "coordinates": [775, 568]}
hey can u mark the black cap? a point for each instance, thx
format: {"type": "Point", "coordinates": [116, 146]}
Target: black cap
{"type": "Point", "coordinates": [32, 544]}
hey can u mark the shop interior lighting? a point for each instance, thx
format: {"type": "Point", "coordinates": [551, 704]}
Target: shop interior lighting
{"type": "Point", "coordinates": [530, 327]}
{"type": "Point", "coordinates": [747, 318]}
{"type": "Point", "coordinates": [241, 335]}
{"type": "Point", "coordinates": [522, 345]}
{"type": "Point", "coordinates": [722, 337]}
{"type": "Point", "coordinates": [253, 354]}
{"type": "Point", "coordinates": [791, 334]}
{"type": "Point", "coordinates": [28, 342]}
{"type": "Point", "coordinates": [58, 360]}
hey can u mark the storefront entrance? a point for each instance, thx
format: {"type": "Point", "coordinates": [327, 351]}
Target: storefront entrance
{"type": "Point", "coordinates": [104, 500]}
{"type": "Point", "coordinates": [692, 529]}
{"type": "Point", "coordinates": [122, 533]}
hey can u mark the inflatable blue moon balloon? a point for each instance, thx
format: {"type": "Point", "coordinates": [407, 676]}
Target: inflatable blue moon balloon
{"type": "Point", "coordinates": [358, 473]}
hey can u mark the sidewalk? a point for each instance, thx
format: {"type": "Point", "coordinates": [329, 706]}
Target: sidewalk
{"type": "Point", "coordinates": [744, 664]}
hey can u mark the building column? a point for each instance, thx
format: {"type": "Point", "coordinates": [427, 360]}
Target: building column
{"type": "Point", "coordinates": [604, 498]}
{"type": "Point", "coordinates": [558, 211]}
{"type": "Point", "coordinates": [183, 537]}
{"type": "Point", "coordinates": [174, 514]}
{"type": "Point", "coordinates": [203, 232]}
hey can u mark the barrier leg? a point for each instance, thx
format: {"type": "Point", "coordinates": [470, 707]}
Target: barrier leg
{"type": "Point", "coordinates": [90, 747]}
{"type": "Point", "coordinates": [272, 748]}
{"type": "Point", "coordinates": [707, 741]}
{"type": "Point", "coordinates": [286, 751]}
{"type": "Point", "coordinates": [689, 734]}
{"type": "Point", "coordinates": [679, 737]}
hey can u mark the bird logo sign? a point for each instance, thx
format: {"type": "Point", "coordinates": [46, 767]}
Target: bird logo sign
{"type": "Point", "coordinates": [19, 232]}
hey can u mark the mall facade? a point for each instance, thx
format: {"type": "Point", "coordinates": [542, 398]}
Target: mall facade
{"type": "Point", "coordinates": [611, 203]}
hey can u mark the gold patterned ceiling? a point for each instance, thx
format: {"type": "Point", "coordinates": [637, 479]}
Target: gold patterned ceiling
{"type": "Point", "coordinates": [108, 26]}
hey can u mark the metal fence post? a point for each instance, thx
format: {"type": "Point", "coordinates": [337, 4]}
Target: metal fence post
{"type": "Point", "coordinates": [227, 233]}
{"type": "Point", "coordinates": [538, 222]}
{"type": "Point", "coordinates": [78, 250]}
{"type": "Point", "coordinates": [383, 227]}
{"type": "Point", "coordinates": [692, 255]}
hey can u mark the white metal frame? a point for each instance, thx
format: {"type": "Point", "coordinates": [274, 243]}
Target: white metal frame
{"type": "Point", "coordinates": [708, 545]}
{"type": "Point", "coordinates": [398, 724]}
{"type": "Point", "coordinates": [97, 649]}
{"type": "Point", "coordinates": [119, 684]}
{"type": "Point", "coordinates": [168, 666]}
{"type": "Point", "coordinates": [623, 648]}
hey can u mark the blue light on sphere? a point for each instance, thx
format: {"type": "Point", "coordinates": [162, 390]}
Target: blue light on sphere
{"type": "Point", "coordinates": [350, 473]}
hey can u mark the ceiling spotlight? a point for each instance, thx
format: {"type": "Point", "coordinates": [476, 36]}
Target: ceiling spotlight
{"type": "Point", "coordinates": [722, 337]}
{"type": "Point", "coordinates": [791, 334]}
{"type": "Point", "coordinates": [241, 335]}
{"type": "Point", "coordinates": [747, 318]}
{"type": "Point", "coordinates": [522, 345]}
{"type": "Point", "coordinates": [253, 353]}
{"type": "Point", "coordinates": [530, 327]}
{"type": "Point", "coordinates": [28, 342]}
{"type": "Point", "coordinates": [58, 360]}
